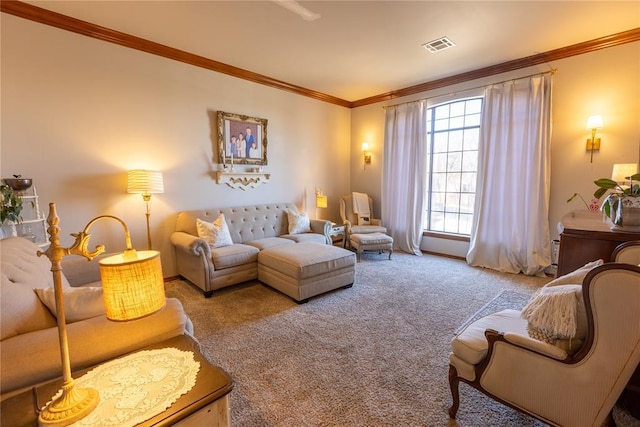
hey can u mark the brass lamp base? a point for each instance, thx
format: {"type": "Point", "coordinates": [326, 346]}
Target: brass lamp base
{"type": "Point", "coordinates": [72, 405]}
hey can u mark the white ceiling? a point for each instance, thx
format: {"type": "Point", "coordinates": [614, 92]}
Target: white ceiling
{"type": "Point", "coordinates": [358, 49]}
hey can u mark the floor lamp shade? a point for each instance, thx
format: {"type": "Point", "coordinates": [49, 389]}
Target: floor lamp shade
{"type": "Point", "coordinates": [142, 181]}
{"type": "Point", "coordinates": [133, 287]}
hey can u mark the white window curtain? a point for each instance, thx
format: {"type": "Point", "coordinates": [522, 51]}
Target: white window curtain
{"type": "Point", "coordinates": [403, 174]}
{"type": "Point", "coordinates": [510, 231]}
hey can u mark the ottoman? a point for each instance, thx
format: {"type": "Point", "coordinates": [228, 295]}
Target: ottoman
{"type": "Point", "coordinates": [371, 242]}
{"type": "Point", "coordinates": [306, 269]}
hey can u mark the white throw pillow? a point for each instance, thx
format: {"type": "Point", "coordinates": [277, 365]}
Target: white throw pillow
{"type": "Point", "coordinates": [216, 233]}
{"type": "Point", "coordinates": [298, 223]}
{"type": "Point", "coordinates": [79, 303]}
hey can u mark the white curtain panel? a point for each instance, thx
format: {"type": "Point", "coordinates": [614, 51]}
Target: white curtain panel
{"type": "Point", "coordinates": [510, 231]}
{"type": "Point", "coordinates": [403, 174]}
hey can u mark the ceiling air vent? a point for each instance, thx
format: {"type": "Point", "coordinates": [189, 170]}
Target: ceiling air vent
{"type": "Point", "coordinates": [438, 44]}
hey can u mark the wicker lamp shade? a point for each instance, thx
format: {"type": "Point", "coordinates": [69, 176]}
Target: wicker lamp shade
{"type": "Point", "coordinates": [132, 285]}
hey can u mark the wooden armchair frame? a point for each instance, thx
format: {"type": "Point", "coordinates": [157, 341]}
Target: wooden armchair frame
{"type": "Point", "coordinates": [503, 345]}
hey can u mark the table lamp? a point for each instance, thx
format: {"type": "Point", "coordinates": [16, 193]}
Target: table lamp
{"type": "Point", "coordinates": [133, 287]}
{"type": "Point", "coordinates": [321, 202]}
{"type": "Point", "coordinates": [622, 172]}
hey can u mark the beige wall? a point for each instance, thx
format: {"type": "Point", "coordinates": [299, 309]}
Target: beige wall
{"type": "Point", "coordinates": [605, 82]}
{"type": "Point", "coordinates": [77, 113]}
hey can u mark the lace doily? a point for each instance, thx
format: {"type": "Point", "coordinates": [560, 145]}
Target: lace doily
{"type": "Point", "coordinates": [139, 386]}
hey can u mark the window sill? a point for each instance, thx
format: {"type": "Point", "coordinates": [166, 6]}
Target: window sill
{"type": "Point", "coordinates": [446, 236]}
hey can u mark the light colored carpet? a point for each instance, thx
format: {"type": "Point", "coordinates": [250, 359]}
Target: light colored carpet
{"type": "Point", "coordinates": [372, 355]}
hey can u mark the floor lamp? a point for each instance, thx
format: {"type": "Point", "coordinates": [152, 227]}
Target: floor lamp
{"type": "Point", "coordinates": [132, 286]}
{"type": "Point", "coordinates": [145, 182]}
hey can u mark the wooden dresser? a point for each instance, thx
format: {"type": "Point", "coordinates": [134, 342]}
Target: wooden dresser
{"type": "Point", "coordinates": [586, 236]}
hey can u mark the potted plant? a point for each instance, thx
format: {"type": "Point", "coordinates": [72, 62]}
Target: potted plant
{"type": "Point", "coordinates": [622, 205]}
{"type": "Point", "coordinates": [11, 207]}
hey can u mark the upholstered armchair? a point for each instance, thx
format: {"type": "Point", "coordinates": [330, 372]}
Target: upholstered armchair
{"type": "Point", "coordinates": [627, 252]}
{"type": "Point", "coordinates": [350, 219]}
{"type": "Point", "coordinates": [497, 356]}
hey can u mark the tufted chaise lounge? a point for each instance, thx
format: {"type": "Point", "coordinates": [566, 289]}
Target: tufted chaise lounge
{"type": "Point", "coordinates": [253, 228]}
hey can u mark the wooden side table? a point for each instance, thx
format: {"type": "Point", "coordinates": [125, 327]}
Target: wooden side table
{"type": "Point", "coordinates": [585, 237]}
{"type": "Point", "coordinates": [207, 403]}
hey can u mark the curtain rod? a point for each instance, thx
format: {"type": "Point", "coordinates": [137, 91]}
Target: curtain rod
{"type": "Point", "coordinates": [552, 71]}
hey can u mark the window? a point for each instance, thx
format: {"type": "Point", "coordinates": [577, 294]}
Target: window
{"type": "Point", "coordinates": [453, 130]}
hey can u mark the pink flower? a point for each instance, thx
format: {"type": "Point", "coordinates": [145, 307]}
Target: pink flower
{"type": "Point", "coordinates": [594, 206]}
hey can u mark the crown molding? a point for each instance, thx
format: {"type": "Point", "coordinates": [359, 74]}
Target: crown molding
{"type": "Point", "coordinates": [64, 22]}
{"type": "Point", "coordinates": [58, 20]}
{"type": "Point", "coordinates": [517, 64]}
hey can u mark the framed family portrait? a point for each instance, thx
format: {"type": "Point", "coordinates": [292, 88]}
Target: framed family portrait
{"type": "Point", "coordinates": [242, 140]}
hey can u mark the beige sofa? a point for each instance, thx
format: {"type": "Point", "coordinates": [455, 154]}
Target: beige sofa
{"type": "Point", "coordinates": [252, 228]}
{"type": "Point", "coordinates": [29, 347]}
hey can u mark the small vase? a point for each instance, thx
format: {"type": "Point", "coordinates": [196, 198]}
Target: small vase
{"type": "Point", "coordinates": [9, 229]}
{"type": "Point", "coordinates": [25, 232]}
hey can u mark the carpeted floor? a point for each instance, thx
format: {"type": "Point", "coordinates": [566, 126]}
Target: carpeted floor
{"type": "Point", "coordinates": [372, 355]}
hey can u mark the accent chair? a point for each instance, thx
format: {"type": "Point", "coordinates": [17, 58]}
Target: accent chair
{"type": "Point", "coordinates": [350, 219]}
{"type": "Point", "coordinates": [497, 356]}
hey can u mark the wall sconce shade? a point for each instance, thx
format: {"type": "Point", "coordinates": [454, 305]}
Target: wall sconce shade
{"type": "Point", "coordinates": [594, 122]}
{"type": "Point", "coordinates": [367, 154]}
{"type": "Point", "coordinates": [132, 288]}
{"type": "Point", "coordinates": [622, 171]}
{"type": "Point", "coordinates": [145, 182]}
{"type": "Point", "coordinates": [593, 144]}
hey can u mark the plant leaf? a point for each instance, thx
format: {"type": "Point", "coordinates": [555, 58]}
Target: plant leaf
{"type": "Point", "coordinates": [606, 208]}
{"type": "Point", "coordinates": [606, 183]}
{"type": "Point", "coordinates": [599, 192]}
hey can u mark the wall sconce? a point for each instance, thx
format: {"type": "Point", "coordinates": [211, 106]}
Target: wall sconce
{"type": "Point", "coordinates": [133, 287]}
{"type": "Point", "coordinates": [145, 182]}
{"type": "Point", "coordinates": [365, 151]}
{"type": "Point", "coordinates": [593, 144]}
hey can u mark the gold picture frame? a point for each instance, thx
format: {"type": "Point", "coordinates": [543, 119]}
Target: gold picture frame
{"type": "Point", "coordinates": [242, 140]}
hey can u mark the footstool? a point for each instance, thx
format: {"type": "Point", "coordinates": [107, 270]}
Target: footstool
{"type": "Point", "coordinates": [306, 269]}
{"type": "Point", "coordinates": [371, 242]}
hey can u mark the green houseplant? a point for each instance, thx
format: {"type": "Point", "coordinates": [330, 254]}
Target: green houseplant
{"type": "Point", "coordinates": [622, 205]}
{"type": "Point", "coordinates": [9, 210]}
{"type": "Point", "coordinates": [11, 204]}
